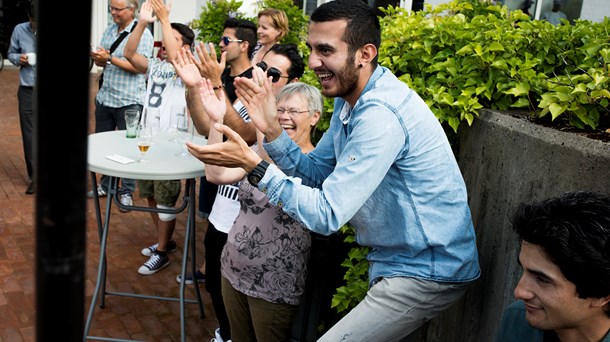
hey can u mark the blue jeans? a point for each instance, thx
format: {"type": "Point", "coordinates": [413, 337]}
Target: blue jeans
{"type": "Point", "coordinates": [109, 119]}
{"type": "Point", "coordinates": [394, 309]}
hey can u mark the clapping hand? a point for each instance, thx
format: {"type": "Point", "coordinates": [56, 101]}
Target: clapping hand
{"type": "Point", "coordinates": [186, 69]}
{"type": "Point", "coordinates": [161, 10]}
{"type": "Point", "coordinates": [257, 96]}
{"type": "Point", "coordinates": [234, 152]}
{"type": "Point", "coordinates": [146, 13]}
{"type": "Point", "coordinates": [216, 107]}
{"type": "Point", "coordinates": [208, 63]}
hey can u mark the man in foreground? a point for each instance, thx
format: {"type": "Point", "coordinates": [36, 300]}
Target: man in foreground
{"type": "Point", "coordinates": [564, 291]}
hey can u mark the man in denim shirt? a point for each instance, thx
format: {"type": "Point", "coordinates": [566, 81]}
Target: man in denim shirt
{"type": "Point", "coordinates": [384, 165]}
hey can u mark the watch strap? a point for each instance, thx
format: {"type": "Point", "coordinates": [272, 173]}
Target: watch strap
{"type": "Point", "coordinates": [258, 172]}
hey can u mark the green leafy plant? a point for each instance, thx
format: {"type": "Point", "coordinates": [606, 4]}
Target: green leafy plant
{"type": "Point", "coordinates": [210, 24]}
{"type": "Point", "coordinates": [465, 55]}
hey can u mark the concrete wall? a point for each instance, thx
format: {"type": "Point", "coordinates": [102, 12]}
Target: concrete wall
{"type": "Point", "coordinates": [506, 161]}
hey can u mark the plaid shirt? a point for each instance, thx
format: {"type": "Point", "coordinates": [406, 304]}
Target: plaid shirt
{"type": "Point", "coordinates": [122, 88]}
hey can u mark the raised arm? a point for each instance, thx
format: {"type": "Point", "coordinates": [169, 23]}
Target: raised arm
{"type": "Point", "coordinates": [185, 66]}
{"type": "Point", "coordinates": [215, 106]}
{"type": "Point", "coordinates": [139, 62]}
{"type": "Point", "coordinates": [171, 45]}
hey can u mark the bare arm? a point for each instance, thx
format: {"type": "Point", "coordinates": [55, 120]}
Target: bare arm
{"type": "Point", "coordinates": [216, 105]}
{"type": "Point", "coordinates": [139, 62]}
{"type": "Point", "coordinates": [172, 46]}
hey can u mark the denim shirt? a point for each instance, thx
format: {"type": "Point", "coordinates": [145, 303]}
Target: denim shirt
{"type": "Point", "coordinates": [122, 88]}
{"type": "Point", "coordinates": [386, 167]}
{"type": "Point", "coordinates": [23, 40]}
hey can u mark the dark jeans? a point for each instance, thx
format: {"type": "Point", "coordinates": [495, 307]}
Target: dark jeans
{"type": "Point", "coordinates": [214, 241]}
{"type": "Point", "coordinates": [207, 194]}
{"type": "Point", "coordinates": [25, 96]}
{"type": "Point", "coordinates": [109, 119]}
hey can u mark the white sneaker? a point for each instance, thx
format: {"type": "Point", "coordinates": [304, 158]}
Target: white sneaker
{"type": "Point", "coordinates": [125, 200]}
{"type": "Point", "coordinates": [217, 337]}
{"type": "Point", "coordinates": [100, 192]}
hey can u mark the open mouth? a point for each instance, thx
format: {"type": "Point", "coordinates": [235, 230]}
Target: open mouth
{"type": "Point", "coordinates": [325, 77]}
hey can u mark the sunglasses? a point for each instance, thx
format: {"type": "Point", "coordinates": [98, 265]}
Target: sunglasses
{"type": "Point", "coordinates": [275, 73]}
{"type": "Point", "coordinates": [226, 40]}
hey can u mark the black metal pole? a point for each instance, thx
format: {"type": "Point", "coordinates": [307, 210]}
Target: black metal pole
{"type": "Point", "coordinates": [60, 148]}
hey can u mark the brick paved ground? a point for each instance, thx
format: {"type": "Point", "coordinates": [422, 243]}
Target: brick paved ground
{"type": "Point", "coordinates": [126, 318]}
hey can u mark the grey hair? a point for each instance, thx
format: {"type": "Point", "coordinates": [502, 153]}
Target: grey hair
{"type": "Point", "coordinates": [135, 4]}
{"type": "Point", "coordinates": [311, 94]}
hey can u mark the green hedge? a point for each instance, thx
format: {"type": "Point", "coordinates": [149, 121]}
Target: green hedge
{"type": "Point", "coordinates": [466, 55]}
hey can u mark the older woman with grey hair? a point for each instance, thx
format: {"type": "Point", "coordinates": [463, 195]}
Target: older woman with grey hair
{"type": "Point", "coordinates": [264, 262]}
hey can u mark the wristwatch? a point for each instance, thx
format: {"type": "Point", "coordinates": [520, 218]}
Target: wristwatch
{"type": "Point", "coordinates": [258, 173]}
{"type": "Point", "coordinates": [109, 61]}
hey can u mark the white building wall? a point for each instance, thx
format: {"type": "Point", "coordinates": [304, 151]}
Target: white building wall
{"type": "Point", "coordinates": [595, 10]}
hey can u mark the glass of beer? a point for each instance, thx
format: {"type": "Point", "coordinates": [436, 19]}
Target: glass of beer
{"type": "Point", "coordinates": [144, 141]}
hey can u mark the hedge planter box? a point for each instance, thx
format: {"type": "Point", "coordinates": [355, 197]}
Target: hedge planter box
{"type": "Point", "coordinates": [507, 160]}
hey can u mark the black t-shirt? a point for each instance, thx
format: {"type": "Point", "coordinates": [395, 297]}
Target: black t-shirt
{"type": "Point", "coordinates": [227, 81]}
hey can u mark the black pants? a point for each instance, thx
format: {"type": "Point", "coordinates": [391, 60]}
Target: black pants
{"type": "Point", "coordinates": [214, 241]}
{"type": "Point", "coordinates": [25, 95]}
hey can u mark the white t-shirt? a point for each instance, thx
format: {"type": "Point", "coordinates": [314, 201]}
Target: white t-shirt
{"type": "Point", "coordinates": [164, 89]}
{"type": "Point", "coordinates": [226, 207]}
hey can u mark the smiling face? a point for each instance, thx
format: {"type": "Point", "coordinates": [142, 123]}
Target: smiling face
{"type": "Point", "coordinates": [551, 301]}
{"type": "Point", "coordinates": [297, 125]}
{"type": "Point", "coordinates": [267, 33]}
{"type": "Point", "coordinates": [121, 13]}
{"type": "Point", "coordinates": [330, 60]}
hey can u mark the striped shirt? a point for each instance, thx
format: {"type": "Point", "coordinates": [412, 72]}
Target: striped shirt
{"type": "Point", "coordinates": [122, 88]}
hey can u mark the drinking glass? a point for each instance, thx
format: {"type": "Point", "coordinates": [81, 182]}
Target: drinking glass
{"type": "Point", "coordinates": [144, 142]}
{"type": "Point", "coordinates": [185, 133]}
{"type": "Point", "coordinates": [177, 121]}
{"type": "Point", "coordinates": [152, 119]}
{"type": "Point", "coordinates": [132, 117]}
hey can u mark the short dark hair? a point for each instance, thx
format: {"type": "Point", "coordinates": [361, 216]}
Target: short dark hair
{"type": "Point", "coordinates": [362, 22]}
{"type": "Point", "coordinates": [574, 232]}
{"type": "Point", "coordinates": [30, 9]}
{"type": "Point", "coordinates": [188, 36]}
{"type": "Point", "coordinates": [244, 30]}
{"type": "Point", "coordinates": [290, 51]}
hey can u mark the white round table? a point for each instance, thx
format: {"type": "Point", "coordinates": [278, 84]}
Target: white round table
{"type": "Point", "coordinates": [163, 165]}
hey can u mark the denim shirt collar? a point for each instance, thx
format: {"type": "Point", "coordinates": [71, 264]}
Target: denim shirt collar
{"type": "Point", "coordinates": [346, 109]}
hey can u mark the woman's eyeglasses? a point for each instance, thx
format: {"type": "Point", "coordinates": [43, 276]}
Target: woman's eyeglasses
{"type": "Point", "coordinates": [293, 112]}
{"type": "Point", "coordinates": [226, 40]}
{"type": "Point", "coordinates": [275, 73]}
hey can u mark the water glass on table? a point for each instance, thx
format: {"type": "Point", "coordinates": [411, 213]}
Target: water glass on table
{"type": "Point", "coordinates": [132, 119]}
{"type": "Point", "coordinates": [152, 119]}
{"type": "Point", "coordinates": [186, 133]}
{"type": "Point", "coordinates": [177, 121]}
